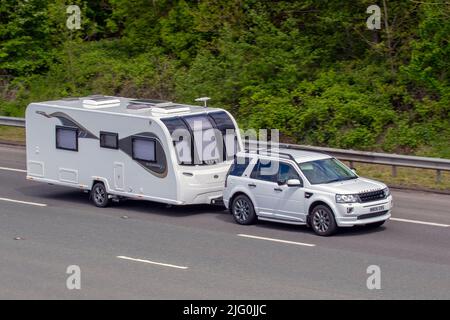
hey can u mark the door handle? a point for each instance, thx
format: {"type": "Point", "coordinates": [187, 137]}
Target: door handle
{"type": "Point", "coordinates": [252, 185]}
{"type": "Point", "coordinates": [278, 189]}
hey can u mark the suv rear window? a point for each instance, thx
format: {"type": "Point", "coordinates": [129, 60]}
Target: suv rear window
{"type": "Point", "coordinates": [238, 167]}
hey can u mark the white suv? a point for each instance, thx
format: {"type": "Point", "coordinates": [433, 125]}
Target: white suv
{"type": "Point", "coordinates": [302, 187]}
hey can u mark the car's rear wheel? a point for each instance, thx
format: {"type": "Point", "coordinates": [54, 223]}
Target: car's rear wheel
{"type": "Point", "coordinates": [322, 221]}
{"type": "Point", "coordinates": [375, 224]}
{"type": "Point", "coordinates": [99, 196]}
{"type": "Point", "coordinates": [243, 210]}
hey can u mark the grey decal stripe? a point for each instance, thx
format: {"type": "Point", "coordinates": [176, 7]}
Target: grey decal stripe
{"type": "Point", "coordinates": [68, 121]}
{"type": "Point", "coordinates": [159, 169]}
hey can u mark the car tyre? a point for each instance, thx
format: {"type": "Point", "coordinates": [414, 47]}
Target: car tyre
{"type": "Point", "coordinates": [243, 210]}
{"type": "Point", "coordinates": [99, 196]}
{"type": "Point", "coordinates": [323, 221]}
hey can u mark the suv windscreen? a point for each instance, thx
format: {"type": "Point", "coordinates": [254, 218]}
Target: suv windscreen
{"type": "Point", "coordinates": [326, 171]}
{"type": "Point", "coordinates": [204, 138]}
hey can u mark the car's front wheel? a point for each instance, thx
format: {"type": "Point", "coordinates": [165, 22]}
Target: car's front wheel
{"type": "Point", "coordinates": [322, 221]}
{"type": "Point", "coordinates": [243, 210]}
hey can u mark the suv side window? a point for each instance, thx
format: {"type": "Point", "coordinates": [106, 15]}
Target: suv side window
{"type": "Point", "coordinates": [238, 167]}
{"type": "Point", "coordinates": [263, 171]}
{"type": "Point", "coordinates": [286, 172]}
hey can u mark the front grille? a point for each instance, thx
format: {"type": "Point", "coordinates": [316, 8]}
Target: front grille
{"type": "Point", "coordinates": [372, 196]}
{"type": "Point", "coordinates": [372, 215]}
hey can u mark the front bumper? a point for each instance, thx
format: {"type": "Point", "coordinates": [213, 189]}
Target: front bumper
{"type": "Point", "coordinates": [354, 214]}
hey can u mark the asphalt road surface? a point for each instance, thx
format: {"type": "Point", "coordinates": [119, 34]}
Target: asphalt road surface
{"type": "Point", "coordinates": [145, 250]}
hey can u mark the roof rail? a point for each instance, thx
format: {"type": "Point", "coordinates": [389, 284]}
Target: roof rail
{"type": "Point", "coordinates": [277, 152]}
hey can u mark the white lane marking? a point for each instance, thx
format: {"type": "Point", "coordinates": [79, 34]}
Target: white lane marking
{"type": "Point", "coordinates": [422, 222]}
{"type": "Point", "coordinates": [12, 169]}
{"type": "Point", "coordinates": [24, 202]}
{"type": "Point", "coordinates": [277, 240]}
{"type": "Point", "coordinates": [152, 262]}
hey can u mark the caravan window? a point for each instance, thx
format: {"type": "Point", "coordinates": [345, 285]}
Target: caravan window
{"type": "Point", "coordinates": [206, 139]}
{"type": "Point", "coordinates": [109, 140]}
{"type": "Point", "coordinates": [203, 138]}
{"type": "Point", "coordinates": [66, 138]}
{"type": "Point", "coordinates": [181, 138]}
{"type": "Point", "coordinates": [224, 123]}
{"type": "Point", "coordinates": [144, 149]}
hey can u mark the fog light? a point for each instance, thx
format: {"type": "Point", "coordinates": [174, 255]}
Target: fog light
{"type": "Point", "coordinates": [349, 210]}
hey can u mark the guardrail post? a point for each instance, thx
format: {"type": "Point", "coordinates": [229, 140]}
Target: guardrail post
{"type": "Point", "coordinates": [394, 171]}
{"type": "Point", "coordinates": [438, 176]}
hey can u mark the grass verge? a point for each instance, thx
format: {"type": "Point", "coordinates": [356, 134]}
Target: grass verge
{"type": "Point", "coordinates": [406, 177]}
{"type": "Point", "coordinates": [12, 134]}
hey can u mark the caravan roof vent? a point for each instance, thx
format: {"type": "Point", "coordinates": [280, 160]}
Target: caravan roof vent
{"type": "Point", "coordinates": [98, 101]}
{"type": "Point", "coordinates": [172, 108]}
{"type": "Point", "coordinates": [156, 106]}
{"type": "Point", "coordinates": [134, 107]}
{"type": "Point", "coordinates": [150, 102]}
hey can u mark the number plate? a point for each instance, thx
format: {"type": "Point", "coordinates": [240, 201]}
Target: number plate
{"type": "Point", "coordinates": [376, 209]}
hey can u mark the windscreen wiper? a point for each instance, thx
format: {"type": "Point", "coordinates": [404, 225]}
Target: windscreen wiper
{"type": "Point", "coordinates": [334, 180]}
{"type": "Point", "coordinates": [349, 178]}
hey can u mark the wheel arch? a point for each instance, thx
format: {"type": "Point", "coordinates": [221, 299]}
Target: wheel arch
{"type": "Point", "coordinates": [236, 194]}
{"type": "Point", "coordinates": [315, 204]}
{"type": "Point", "coordinates": [102, 180]}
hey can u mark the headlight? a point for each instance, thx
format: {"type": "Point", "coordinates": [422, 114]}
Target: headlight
{"type": "Point", "coordinates": [387, 192]}
{"type": "Point", "coordinates": [347, 198]}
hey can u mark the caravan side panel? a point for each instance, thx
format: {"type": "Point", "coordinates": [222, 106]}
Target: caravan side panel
{"type": "Point", "coordinates": [78, 163]}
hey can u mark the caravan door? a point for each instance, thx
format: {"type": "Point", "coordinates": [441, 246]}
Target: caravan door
{"type": "Point", "coordinates": [118, 176]}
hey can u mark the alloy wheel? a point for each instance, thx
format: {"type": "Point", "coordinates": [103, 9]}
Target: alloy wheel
{"type": "Point", "coordinates": [99, 195]}
{"type": "Point", "coordinates": [321, 220]}
{"type": "Point", "coordinates": [242, 210]}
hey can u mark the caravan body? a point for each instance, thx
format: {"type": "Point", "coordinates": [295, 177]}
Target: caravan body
{"type": "Point", "coordinates": [132, 147]}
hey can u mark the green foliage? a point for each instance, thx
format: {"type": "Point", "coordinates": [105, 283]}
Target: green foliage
{"type": "Point", "coordinates": [312, 69]}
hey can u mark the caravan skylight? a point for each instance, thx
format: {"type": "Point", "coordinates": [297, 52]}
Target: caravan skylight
{"type": "Point", "coordinates": [156, 106]}
{"type": "Point", "coordinates": [132, 107]}
{"type": "Point", "coordinates": [150, 102]}
{"type": "Point", "coordinates": [172, 108]}
{"type": "Point", "coordinates": [96, 102]}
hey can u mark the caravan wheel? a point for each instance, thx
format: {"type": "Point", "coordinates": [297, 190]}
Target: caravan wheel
{"type": "Point", "coordinates": [99, 195]}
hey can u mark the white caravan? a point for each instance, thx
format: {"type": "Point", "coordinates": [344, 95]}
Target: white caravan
{"type": "Point", "coordinates": [118, 147]}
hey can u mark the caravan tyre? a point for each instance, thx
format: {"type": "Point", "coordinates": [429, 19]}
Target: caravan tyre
{"type": "Point", "coordinates": [99, 195]}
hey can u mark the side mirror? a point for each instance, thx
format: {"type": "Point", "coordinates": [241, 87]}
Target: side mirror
{"type": "Point", "coordinates": [294, 183]}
